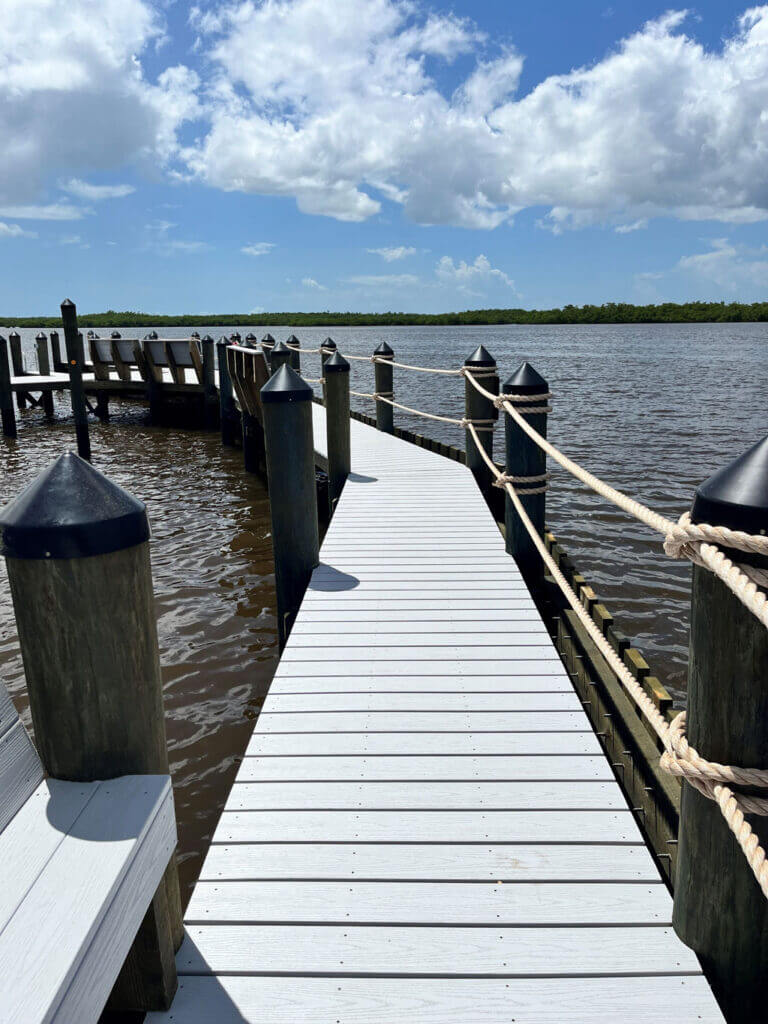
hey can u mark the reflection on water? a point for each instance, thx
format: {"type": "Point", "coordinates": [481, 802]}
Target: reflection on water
{"type": "Point", "coordinates": [214, 586]}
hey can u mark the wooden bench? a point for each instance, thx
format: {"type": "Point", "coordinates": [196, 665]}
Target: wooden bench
{"type": "Point", "coordinates": [80, 863]}
{"type": "Point", "coordinates": [248, 372]}
{"type": "Point", "coordinates": [178, 355]}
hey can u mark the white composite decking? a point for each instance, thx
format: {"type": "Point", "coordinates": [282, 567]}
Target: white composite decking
{"type": "Point", "coordinates": [424, 827]}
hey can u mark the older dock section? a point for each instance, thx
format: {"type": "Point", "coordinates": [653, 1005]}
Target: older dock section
{"type": "Point", "coordinates": [425, 826]}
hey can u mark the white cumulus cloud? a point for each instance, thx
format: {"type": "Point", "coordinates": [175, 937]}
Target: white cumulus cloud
{"type": "Point", "coordinates": [14, 231]}
{"type": "Point", "coordinates": [466, 275]}
{"type": "Point", "coordinates": [334, 103]}
{"type": "Point", "coordinates": [94, 193]}
{"type": "Point", "coordinates": [258, 248]}
{"type": "Point", "coordinates": [310, 282]}
{"type": "Point", "coordinates": [383, 280]}
{"type": "Point", "coordinates": [398, 252]}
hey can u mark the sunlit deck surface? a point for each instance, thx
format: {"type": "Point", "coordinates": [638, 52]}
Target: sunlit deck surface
{"type": "Point", "coordinates": [424, 826]}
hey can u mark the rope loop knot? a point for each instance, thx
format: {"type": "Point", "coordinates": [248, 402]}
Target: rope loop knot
{"type": "Point", "coordinates": [709, 777]}
{"type": "Point", "coordinates": [525, 404]}
{"type": "Point", "coordinates": [684, 540]}
{"type": "Point", "coordinates": [529, 483]}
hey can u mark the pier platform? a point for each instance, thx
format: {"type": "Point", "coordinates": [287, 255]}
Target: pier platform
{"type": "Point", "coordinates": [425, 826]}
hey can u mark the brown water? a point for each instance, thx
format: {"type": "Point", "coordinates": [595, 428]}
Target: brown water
{"type": "Point", "coordinates": [654, 409]}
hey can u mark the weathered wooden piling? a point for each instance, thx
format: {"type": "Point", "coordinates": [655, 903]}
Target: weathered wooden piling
{"type": "Point", "coordinates": [75, 360]}
{"type": "Point", "coordinates": [44, 369]}
{"type": "Point", "coordinates": [327, 349]}
{"type": "Point", "coordinates": [227, 410]}
{"type": "Point", "coordinates": [383, 376]}
{"type": "Point", "coordinates": [524, 458]}
{"type": "Point", "coordinates": [17, 365]}
{"type": "Point", "coordinates": [482, 412]}
{"type": "Point", "coordinates": [280, 355]}
{"type": "Point", "coordinates": [77, 554]}
{"type": "Point", "coordinates": [6, 394]}
{"type": "Point", "coordinates": [720, 911]}
{"type": "Point", "coordinates": [59, 365]}
{"type": "Point", "coordinates": [293, 344]}
{"type": "Point", "coordinates": [337, 424]}
{"type": "Point", "coordinates": [286, 401]}
{"type": "Point", "coordinates": [210, 395]}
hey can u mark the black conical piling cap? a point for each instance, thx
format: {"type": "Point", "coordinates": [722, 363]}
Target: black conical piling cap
{"type": "Point", "coordinates": [526, 381]}
{"type": "Point", "coordinates": [251, 338]}
{"type": "Point", "coordinates": [72, 511]}
{"type": "Point", "coordinates": [195, 334]}
{"type": "Point", "coordinates": [286, 386]}
{"type": "Point", "coordinates": [152, 335]}
{"type": "Point", "coordinates": [336, 364]}
{"type": "Point", "coordinates": [279, 347]}
{"type": "Point", "coordinates": [329, 343]}
{"type": "Point", "coordinates": [206, 338]}
{"type": "Point", "coordinates": [116, 335]}
{"type": "Point", "coordinates": [235, 337]}
{"type": "Point", "coordinates": [384, 350]}
{"type": "Point", "coordinates": [737, 495]}
{"type": "Point", "coordinates": [480, 357]}
{"type": "Point", "coordinates": [268, 340]}
{"type": "Point", "coordinates": [40, 336]}
{"type": "Point", "coordinates": [14, 334]}
{"type": "Point", "coordinates": [293, 340]}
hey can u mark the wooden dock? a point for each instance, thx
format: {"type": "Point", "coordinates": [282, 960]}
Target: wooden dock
{"type": "Point", "coordinates": [425, 826]}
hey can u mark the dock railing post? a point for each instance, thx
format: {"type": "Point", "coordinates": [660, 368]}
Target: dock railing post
{"type": "Point", "coordinates": [59, 366]}
{"type": "Point", "coordinates": [337, 425]}
{"type": "Point", "coordinates": [482, 412]}
{"type": "Point", "coordinates": [210, 397]}
{"type": "Point", "coordinates": [524, 458]}
{"type": "Point", "coordinates": [286, 402]}
{"type": "Point", "coordinates": [75, 358]}
{"type": "Point", "coordinates": [720, 911]}
{"type": "Point", "coordinates": [293, 344]}
{"type": "Point", "coordinates": [327, 349]}
{"type": "Point", "coordinates": [384, 385]}
{"type": "Point", "coordinates": [6, 394]}
{"type": "Point", "coordinates": [280, 355]}
{"type": "Point", "coordinates": [17, 365]}
{"type": "Point", "coordinates": [44, 369]}
{"type": "Point", "coordinates": [227, 409]}
{"type": "Point", "coordinates": [77, 553]}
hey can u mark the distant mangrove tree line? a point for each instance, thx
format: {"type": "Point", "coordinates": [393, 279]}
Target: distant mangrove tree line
{"type": "Point", "coordinates": [608, 313]}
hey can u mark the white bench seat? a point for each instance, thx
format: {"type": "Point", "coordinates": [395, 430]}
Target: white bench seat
{"type": "Point", "coordinates": [79, 865]}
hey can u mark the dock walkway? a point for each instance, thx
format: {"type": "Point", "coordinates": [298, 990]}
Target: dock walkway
{"type": "Point", "coordinates": [425, 826]}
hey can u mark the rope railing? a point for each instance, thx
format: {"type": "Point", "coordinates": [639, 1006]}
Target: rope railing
{"type": "Point", "coordinates": [680, 758]}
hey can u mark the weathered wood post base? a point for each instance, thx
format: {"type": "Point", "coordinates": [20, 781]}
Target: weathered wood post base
{"type": "Point", "coordinates": [720, 911]}
{"type": "Point", "coordinates": [228, 416]}
{"type": "Point", "coordinates": [383, 377]}
{"type": "Point", "coordinates": [482, 411]}
{"type": "Point", "coordinates": [77, 554]}
{"type": "Point", "coordinates": [287, 405]}
{"type": "Point", "coordinates": [44, 369]}
{"type": "Point", "coordinates": [524, 458]}
{"type": "Point", "coordinates": [75, 361]}
{"type": "Point", "coordinates": [337, 425]}
{"type": "Point", "coordinates": [254, 450]}
{"type": "Point", "coordinates": [7, 411]}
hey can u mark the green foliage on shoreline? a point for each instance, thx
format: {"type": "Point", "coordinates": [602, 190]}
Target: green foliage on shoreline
{"type": "Point", "coordinates": [608, 313]}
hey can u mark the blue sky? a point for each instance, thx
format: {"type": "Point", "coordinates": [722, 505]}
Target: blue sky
{"type": "Point", "coordinates": [379, 154]}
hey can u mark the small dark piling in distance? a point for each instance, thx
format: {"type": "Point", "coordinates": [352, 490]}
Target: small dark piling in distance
{"type": "Point", "coordinates": [75, 360]}
{"type": "Point", "coordinates": [482, 411]}
{"type": "Point", "coordinates": [384, 385]}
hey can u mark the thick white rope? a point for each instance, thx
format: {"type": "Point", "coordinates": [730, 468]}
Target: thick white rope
{"type": "Point", "coordinates": [680, 758]}
{"type": "Point", "coordinates": [484, 425]}
{"type": "Point", "coordinates": [419, 369]}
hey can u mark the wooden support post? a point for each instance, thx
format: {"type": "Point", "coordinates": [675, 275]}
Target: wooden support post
{"type": "Point", "coordinates": [75, 360]}
{"type": "Point", "coordinates": [210, 397]}
{"type": "Point", "coordinates": [337, 425]}
{"type": "Point", "coordinates": [286, 402]}
{"type": "Point", "coordinates": [525, 458]}
{"type": "Point", "coordinates": [280, 355]}
{"type": "Point", "coordinates": [6, 394]}
{"type": "Point", "coordinates": [327, 349]}
{"type": "Point", "coordinates": [720, 911]}
{"type": "Point", "coordinates": [59, 366]}
{"type": "Point", "coordinates": [293, 344]}
{"type": "Point", "coordinates": [227, 409]}
{"type": "Point", "coordinates": [267, 344]}
{"type": "Point", "coordinates": [482, 411]}
{"type": "Point", "coordinates": [383, 377]}
{"type": "Point", "coordinates": [254, 456]}
{"type": "Point", "coordinates": [17, 365]}
{"type": "Point", "coordinates": [41, 351]}
{"type": "Point", "coordinates": [77, 553]}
